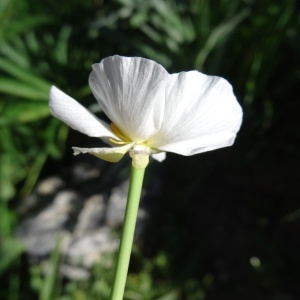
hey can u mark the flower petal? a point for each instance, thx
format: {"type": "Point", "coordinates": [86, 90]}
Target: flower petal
{"type": "Point", "coordinates": [131, 91]}
{"type": "Point", "coordinates": [76, 116]}
{"type": "Point", "coordinates": [161, 156]}
{"type": "Point", "coordinates": [201, 114]}
{"type": "Point", "coordinates": [108, 154]}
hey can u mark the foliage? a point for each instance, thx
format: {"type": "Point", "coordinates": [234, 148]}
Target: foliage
{"type": "Point", "coordinates": [255, 44]}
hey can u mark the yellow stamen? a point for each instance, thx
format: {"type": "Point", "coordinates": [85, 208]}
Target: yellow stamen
{"type": "Point", "coordinates": [119, 134]}
{"type": "Point", "coordinates": [117, 142]}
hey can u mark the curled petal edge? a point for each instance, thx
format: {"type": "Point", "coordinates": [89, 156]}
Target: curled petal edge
{"type": "Point", "coordinates": [114, 154]}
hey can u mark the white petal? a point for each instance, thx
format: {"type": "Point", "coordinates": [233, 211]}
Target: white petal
{"type": "Point", "coordinates": [201, 114]}
{"type": "Point", "coordinates": [76, 116]}
{"type": "Point", "coordinates": [109, 154]}
{"type": "Point", "coordinates": [131, 91]}
{"type": "Point", "coordinates": [161, 156]}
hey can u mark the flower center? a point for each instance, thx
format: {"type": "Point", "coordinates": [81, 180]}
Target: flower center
{"type": "Point", "coordinates": [117, 131]}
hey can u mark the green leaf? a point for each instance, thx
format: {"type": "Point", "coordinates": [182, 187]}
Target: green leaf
{"type": "Point", "coordinates": [23, 90]}
{"type": "Point", "coordinates": [26, 76]}
{"type": "Point", "coordinates": [23, 111]}
{"type": "Point", "coordinates": [218, 35]}
{"type": "Point", "coordinates": [10, 250]}
{"type": "Point", "coordinates": [48, 288]}
{"type": "Point", "coordinates": [18, 26]}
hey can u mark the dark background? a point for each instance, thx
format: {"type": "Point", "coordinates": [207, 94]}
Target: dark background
{"type": "Point", "coordinates": [223, 224]}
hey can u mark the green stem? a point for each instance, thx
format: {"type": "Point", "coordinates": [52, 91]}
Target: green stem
{"type": "Point", "coordinates": [133, 199]}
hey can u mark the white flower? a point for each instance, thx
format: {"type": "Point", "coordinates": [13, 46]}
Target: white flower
{"type": "Point", "coordinates": [152, 111]}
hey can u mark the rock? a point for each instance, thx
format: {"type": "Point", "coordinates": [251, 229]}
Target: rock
{"type": "Point", "coordinates": [74, 273]}
{"type": "Point", "coordinates": [39, 233]}
{"type": "Point", "coordinates": [41, 244]}
{"type": "Point", "coordinates": [83, 211]}
{"type": "Point", "coordinates": [91, 216]}
{"type": "Point", "coordinates": [53, 217]}
{"type": "Point", "coordinates": [89, 249]}
{"type": "Point", "coordinates": [49, 185]}
{"type": "Point", "coordinates": [84, 172]}
{"type": "Point", "coordinates": [116, 208]}
{"type": "Point", "coordinates": [117, 204]}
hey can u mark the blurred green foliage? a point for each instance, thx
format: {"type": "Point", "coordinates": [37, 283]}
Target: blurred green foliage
{"type": "Point", "coordinates": [255, 44]}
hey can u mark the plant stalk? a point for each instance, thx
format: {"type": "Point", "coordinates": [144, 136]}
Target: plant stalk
{"type": "Point", "coordinates": [133, 199]}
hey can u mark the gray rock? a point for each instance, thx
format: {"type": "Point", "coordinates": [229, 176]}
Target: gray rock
{"type": "Point", "coordinates": [74, 273]}
{"type": "Point", "coordinates": [84, 172]}
{"type": "Point", "coordinates": [52, 217]}
{"type": "Point", "coordinates": [41, 244]}
{"type": "Point", "coordinates": [49, 185]}
{"type": "Point", "coordinates": [90, 248]}
{"type": "Point", "coordinates": [91, 215]}
{"type": "Point", "coordinates": [84, 219]}
{"type": "Point", "coordinates": [117, 204]}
